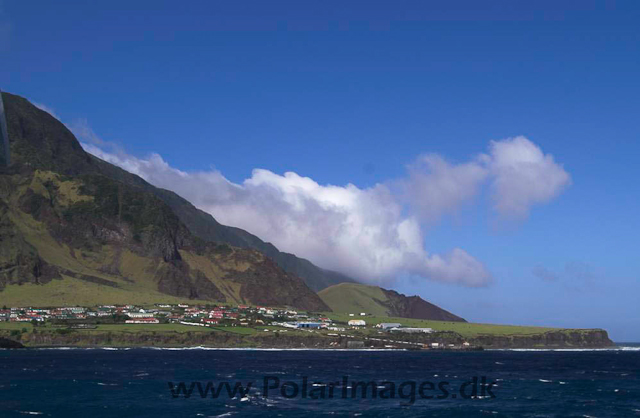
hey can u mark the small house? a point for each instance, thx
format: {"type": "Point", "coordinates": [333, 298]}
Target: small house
{"type": "Point", "coordinates": [388, 325]}
{"type": "Point", "coordinates": [312, 325]}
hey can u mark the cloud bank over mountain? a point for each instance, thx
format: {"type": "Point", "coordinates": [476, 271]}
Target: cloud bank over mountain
{"type": "Point", "coordinates": [374, 234]}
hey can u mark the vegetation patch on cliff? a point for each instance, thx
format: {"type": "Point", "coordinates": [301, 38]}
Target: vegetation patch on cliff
{"type": "Point", "coordinates": [374, 300]}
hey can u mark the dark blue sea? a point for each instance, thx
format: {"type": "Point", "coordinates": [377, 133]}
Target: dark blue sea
{"type": "Point", "coordinates": [137, 383]}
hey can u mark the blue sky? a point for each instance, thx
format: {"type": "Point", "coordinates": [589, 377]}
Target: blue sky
{"type": "Point", "coordinates": [355, 93]}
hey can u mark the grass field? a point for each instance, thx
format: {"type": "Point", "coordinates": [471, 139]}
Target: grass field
{"type": "Point", "coordinates": [74, 292]}
{"type": "Point", "coordinates": [236, 330]}
{"type": "Point", "coordinates": [150, 327]}
{"type": "Point", "coordinates": [131, 278]}
{"type": "Point", "coordinates": [465, 329]}
{"type": "Point", "coordinates": [137, 328]}
{"type": "Point", "coordinates": [110, 327]}
{"type": "Point", "coordinates": [354, 297]}
{"type": "Point", "coordinates": [16, 325]}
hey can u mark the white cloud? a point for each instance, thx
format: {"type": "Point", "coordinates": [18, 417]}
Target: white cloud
{"type": "Point", "coordinates": [360, 232]}
{"type": "Point", "coordinates": [576, 276]}
{"type": "Point", "coordinates": [520, 176]}
{"type": "Point", "coordinates": [373, 234]}
{"type": "Point", "coordinates": [523, 176]}
{"type": "Point", "coordinates": [82, 131]}
{"type": "Point", "coordinates": [435, 187]}
{"type": "Point", "coordinates": [46, 109]}
{"type": "Point", "coordinates": [544, 273]}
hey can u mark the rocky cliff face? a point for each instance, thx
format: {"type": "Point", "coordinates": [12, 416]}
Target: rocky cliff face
{"type": "Point", "coordinates": [564, 339]}
{"type": "Point", "coordinates": [176, 339]}
{"type": "Point", "coordinates": [560, 339]}
{"type": "Point", "coordinates": [63, 217]}
{"type": "Point", "coordinates": [204, 226]}
{"type": "Point", "coordinates": [19, 260]}
{"type": "Point", "coordinates": [415, 307]}
{"type": "Point", "coordinates": [595, 338]}
{"type": "Point", "coordinates": [9, 343]}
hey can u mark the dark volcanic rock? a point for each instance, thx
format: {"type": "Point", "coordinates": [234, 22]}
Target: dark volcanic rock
{"type": "Point", "coordinates": [175, 278]}
{"type": "Point", "coordinates": [39, 140]}
{"type": "Point", "coordinates": [265, 285]}
{"type": "Point", "coordinates": [19, 261]}
{"type": "Point", "coordinates": [415, 307]}
{"type": "Point", "coordinates": [555, 339]}
{"type": "Point", "coordinates": [7, 343]}
{"type": "Point", "coordinates": [204, 226]}
{"type": "Point", "coordinates": [592, 338]}
{"type": "Point", "coordinates": [106, 206]}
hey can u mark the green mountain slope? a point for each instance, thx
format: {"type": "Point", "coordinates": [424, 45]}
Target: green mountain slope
{"type": "Point", "coordinates": [203, 225]}
{"type": "Point", "coordinates": [374, 300]}
{"type": "Point", "coordinates": [71, 229]}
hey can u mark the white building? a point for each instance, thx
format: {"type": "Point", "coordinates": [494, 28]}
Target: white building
{"type": "Point", "coordinates": [357, 323]}
{"type": "Point", "coordinates": [413, 330]}
{"type": "Point", "coordinates": [142, 321]}
{"type": "Point", "coordinates": [388, 325]}
{"type": "Point", "coordinates": [140, 315]}
{"type": "Point", "coordinates": [339, 329]}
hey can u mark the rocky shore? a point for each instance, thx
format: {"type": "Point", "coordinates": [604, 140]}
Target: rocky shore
{"type": "Point", "coordinates": [79, 338]}
{"type": "Point", "coordinates": [9, 343]}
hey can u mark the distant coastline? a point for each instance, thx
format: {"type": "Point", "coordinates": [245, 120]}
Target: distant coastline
{"type": "Point", "coordinates": [569, 339]}
{"type": "Point", "coordinates": [243, 326]}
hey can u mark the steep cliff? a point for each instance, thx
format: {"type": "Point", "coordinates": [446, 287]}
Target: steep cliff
{"type": "Point", "coordinates": [561, 339]}
{"type": "Point", "coordinates": [64, 218]}
{"type": "Point", "coordinates": [204, 226]}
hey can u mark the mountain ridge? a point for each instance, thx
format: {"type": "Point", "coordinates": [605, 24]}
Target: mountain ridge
{"type": "Point", "coordinates": [64, 218]}
{"type": "Point", "coordinates": [205, 226]}
{"type": "Point", "coordinates": [58, 202]}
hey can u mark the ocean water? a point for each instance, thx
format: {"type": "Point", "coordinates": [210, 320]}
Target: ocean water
{"type": "Point", "coordinates": [137, 383]}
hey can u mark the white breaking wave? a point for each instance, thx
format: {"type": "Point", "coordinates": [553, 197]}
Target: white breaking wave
{"type": "Point", "coordinates": [618, 348]}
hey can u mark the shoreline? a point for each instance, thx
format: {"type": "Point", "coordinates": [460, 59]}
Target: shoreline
{"type": "Point", "coordinates": [591, 340]}
{"type": "Point", "coordinates": [108, 348]}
